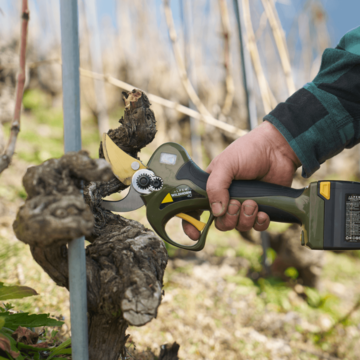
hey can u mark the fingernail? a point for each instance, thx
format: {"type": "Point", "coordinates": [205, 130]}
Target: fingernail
{"type": "Point", "coordinates": [249, 210]}
{"type": "Point", "coordinates": [261, 220]}
{"type": "Point", "coordinates": [216, 208]}
{"type": "Point", "coordinates": [233, 209]}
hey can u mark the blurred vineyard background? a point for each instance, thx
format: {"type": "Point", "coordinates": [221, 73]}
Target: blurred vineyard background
{"type": "Point", "coordinates": [220, 303]}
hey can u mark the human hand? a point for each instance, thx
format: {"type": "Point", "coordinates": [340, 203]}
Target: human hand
{"type": "Point", "coordinates": [262, 154]}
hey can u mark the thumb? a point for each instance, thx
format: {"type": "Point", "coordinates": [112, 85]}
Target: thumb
{"type": "Point", "coordinates": [217, 188]}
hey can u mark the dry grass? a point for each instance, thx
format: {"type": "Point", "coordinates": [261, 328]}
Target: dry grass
{"type": "Point", "coordinates": [212, 306]}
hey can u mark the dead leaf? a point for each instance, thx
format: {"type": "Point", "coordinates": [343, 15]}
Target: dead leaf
{"type": "Point", "coordinates": [25, 336]}
{"type": "Point", "coordinates": [44, 344]}
{"type": "Point", "coordinates": [5, 345]}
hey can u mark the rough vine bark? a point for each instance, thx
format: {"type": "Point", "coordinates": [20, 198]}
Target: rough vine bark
{"type": "Point", "coordinates": [125, 261]}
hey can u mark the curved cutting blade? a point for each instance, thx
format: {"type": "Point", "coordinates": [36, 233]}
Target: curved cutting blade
{"type": "Point", "coordinates": [131, 201]}
{"type": "Point", "coordinates": [122, 164]}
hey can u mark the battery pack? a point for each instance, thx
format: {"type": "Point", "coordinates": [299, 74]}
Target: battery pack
{"type": "Point", "coordinates": [341, 214]}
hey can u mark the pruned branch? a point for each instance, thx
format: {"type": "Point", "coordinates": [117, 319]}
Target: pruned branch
{"type": "Point", "coordinates": [208, 119]}
{"type": "Point", "coordinates": [268, 99]}
{"type": "Point", "coordinates": [229, 81]}
{"type": "Point", "coordinates": [180, 62]}
{"type": "Point", "coordinates": [261, 27]}
{"type": "Point", "coordinates": [6, 157]}
{"type": "Point", "coordinates": [280, 42]}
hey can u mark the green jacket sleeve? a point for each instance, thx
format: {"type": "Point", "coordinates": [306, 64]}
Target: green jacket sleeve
{"type": "Point", "coordinates": [323, 117]}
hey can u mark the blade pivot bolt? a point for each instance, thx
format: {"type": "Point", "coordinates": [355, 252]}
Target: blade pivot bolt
{"type": "Point", "coordinates": [141, 181]}
{"type": "Point", "coordinates": [135, 165]}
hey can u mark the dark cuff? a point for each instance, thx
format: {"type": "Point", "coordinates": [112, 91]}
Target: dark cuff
{"type": "Point", "coordinates": [309, 163]}
{"type": "Point", "coordinates": [315, 124]}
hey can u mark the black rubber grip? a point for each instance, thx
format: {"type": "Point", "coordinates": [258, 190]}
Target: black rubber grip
{"type": "Point", "coordinates": [245, 189]}
{"type": "Point", "coordinates": [279, 215]}
{"type": "Point", "coordinates": [238, 188]}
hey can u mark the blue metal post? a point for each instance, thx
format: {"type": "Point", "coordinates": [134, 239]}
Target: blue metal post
{"type": "Point", "coordinates": [72, 142]}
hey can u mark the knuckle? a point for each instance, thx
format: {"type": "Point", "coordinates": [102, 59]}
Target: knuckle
{"type": "Point", "coordinates": [219, 225]}
{"type": "Point", "coordinates": [223, 224]}
{"type": "Point", "coordinates": [242, 227]}
{"type": "Point", "coordinates": [229, 222]}
{"type": "Point", "coordinates": [245, 223]}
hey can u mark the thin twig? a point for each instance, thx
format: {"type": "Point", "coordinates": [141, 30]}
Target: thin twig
{"type": "Point", "coordinates": [261, 27]}
{"type": "Point", "coordinates": [5, 159]}
{"type": "Point", "coordinates": [266, 96]}
{"type": "Point", "coordinates": [210, 120]}
{"type": "Point", "coordinates": [94, 48]}
{"type": "Point", "coordinates": [305, 41]}
{"type": "Point", "coordinates": [180, 62]}
{"type": "Point", "coordinates": [306, 349]}
{"type": "Point", "coordinates": [280, 42]}
{"type": "Point", "coordinates": [229, 81]}
{"type": "Point", "coordinates": [234, 131]}
{"type": "Point", "coordinates": [341, 320]}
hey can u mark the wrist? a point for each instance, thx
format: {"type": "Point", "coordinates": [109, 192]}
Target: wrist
{"type": "Point", "coordinates": [279, 143]}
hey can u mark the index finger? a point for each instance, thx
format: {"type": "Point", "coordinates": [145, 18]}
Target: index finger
{"type": "Point", "coordinates": [190, 230]}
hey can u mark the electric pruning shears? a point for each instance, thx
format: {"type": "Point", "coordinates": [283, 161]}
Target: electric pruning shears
{"type": "Point", "coordinates": [172, 184]}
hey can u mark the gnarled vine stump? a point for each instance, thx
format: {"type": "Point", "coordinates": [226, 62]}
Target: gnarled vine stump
{"type": "Point", "coordinates": [125, 262]}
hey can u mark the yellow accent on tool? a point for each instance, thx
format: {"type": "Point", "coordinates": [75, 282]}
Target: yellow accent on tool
{"type": "Point", "coordinates": [198, 224]}
{"type": "Point", "coordinates": [120, 161]}
{"type": "Point", "coordinates": [167, 199]}
{"type": "Point", "coordinates": [325, 189]}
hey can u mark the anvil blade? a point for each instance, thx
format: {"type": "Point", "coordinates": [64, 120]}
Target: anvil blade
{"type": "Point", "coordinates": [130, 202]}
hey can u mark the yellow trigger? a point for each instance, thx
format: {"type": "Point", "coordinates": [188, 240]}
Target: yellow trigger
{"type": "Point", "coordinates": [198, 224]}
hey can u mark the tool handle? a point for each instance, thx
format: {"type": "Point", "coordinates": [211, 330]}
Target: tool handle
{"type": "Point", "coordinates": [278, 209]}
{"type": "Point", "coordinates": [185, 191]}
